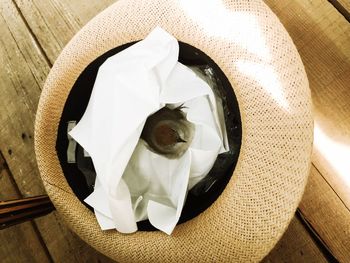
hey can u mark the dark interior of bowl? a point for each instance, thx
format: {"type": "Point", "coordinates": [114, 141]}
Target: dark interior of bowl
{"type": "Point", "coordinates": [201, 196]}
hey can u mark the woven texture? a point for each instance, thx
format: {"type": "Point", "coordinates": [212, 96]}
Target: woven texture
{"type": "Point", "coordinates": [253, 49]}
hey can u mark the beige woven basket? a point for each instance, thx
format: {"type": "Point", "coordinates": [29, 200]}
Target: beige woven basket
{"type": "Point", "coordinates": [253, 49]}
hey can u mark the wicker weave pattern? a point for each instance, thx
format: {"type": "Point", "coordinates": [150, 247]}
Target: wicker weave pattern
{"type": "Point", "coordinates": [257, 55]}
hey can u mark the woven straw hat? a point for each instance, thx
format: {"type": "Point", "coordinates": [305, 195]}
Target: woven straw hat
{"type": "Point", "coordinates": [249, 44]}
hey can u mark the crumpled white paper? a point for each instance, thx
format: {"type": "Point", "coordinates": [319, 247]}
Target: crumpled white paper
{"type": "Point", "coordinates": [134, 183]}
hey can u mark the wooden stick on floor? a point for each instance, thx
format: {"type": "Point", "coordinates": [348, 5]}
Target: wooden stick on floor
{"type": "Point", "coordinates": [18, 211]}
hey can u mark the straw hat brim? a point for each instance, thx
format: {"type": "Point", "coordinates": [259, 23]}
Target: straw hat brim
{"type": "Point", "coordinates": [250, 45]}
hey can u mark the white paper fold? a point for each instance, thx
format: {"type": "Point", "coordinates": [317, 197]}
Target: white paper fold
{"type": "Point", "coordinates": [132, 182]}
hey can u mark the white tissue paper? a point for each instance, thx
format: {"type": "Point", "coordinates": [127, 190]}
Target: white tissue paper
{"type": "Point", "coordinates": [134, 183]}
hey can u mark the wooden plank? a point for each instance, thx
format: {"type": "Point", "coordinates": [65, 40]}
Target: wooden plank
{"type": "Point", "coordinates": [328, 215]}
{"type": "Point", "coordinates": [55, 22]}
{"type": "Point", "coordinates": [343, 6]}
{"type": "Point", "coordinates": [20, 243]}
{"type": "Point", "coordinates": [24, 70]}
{"type": "Point", "coordinates": [296, 245]}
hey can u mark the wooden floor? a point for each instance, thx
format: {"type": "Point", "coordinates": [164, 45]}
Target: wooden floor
{"type": "Point", "coordinates": [32, 34]}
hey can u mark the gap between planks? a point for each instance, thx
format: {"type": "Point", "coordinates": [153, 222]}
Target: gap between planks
{"type": "Point", "coordinates": [343, 6]}
{"type": "Point", "coordinates": [42, 52]}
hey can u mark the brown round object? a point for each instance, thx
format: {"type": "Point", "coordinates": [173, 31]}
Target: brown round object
{"type": "Point", "coordinates": [168, 132]}
{"type": "Point", "coordinates": [255, 52]}
{"type": "Point", "coordinates": [165, 136]}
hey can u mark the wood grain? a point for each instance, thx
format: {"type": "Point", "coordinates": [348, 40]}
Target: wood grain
{"type": "Point", "coordinates": [54, 22]}
{"type": "Point", "coordinates": [296, 245]}
{"type": "Point", "coordinates": [343, 6]}
{"type": "Point", "coordinates": [21, 242]}
{"type": "Point", "coordinates": [24, 70]}
{"type": "Point", "coordinates": [328, 215]}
